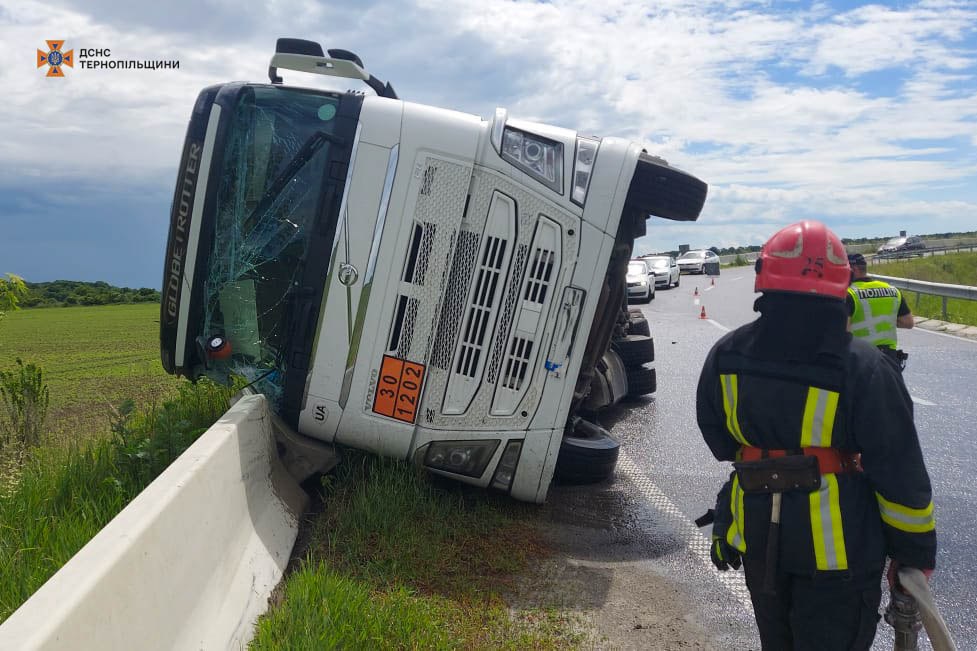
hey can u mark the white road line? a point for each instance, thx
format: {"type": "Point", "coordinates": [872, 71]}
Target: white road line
{"type": "Point", "coordinates": [694, 540]}
{"type": "Point", "coordinates": [709, 288]}
{"type": "Point", "coordinates": [920, 401]}
{"type": "Point", "coordinates": [943, 334]}
{"type": "Point", "coordinates": [719, 325]}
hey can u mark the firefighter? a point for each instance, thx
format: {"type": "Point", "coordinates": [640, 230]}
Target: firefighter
{"type": "Point", "coordinates": [875, 310]}
{"type": "Point", "coordinates": [828, 475]}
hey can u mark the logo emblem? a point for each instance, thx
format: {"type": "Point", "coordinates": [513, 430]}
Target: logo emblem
{"type": "Point", "coordinates": [348, 274]}
{"type": "Point", "coordinates": [55, 58]}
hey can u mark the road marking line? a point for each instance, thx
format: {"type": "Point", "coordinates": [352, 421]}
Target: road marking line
{"type": "Point", "coordinates": [695, 541]}
{"type": "Point", "coordinates": [944, 334]}
{"type": "Point", "coordinates": [709, 288]}
{"type": "Point", "coordinates": [920, 401]}
{"type": "Point", "coordinates": [719, 325]}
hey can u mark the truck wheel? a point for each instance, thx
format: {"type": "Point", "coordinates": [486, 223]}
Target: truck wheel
{"type": "Point", "coordinates": [634, 350]}
{"type": "Point", "coordinates": [637, 323]}
{"type": "Point", "coordinates": [587, 456]}
{"type": "Point", "coordinates": [642, 381]}
{"type": "Point", "coordinates": [640, 327]}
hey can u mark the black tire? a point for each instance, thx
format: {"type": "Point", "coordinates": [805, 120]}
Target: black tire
{"type": "Point", "coordinates": [642, 381]}
{"type": "Point", "coordinates": [678, 280]}
{"type": "Point", "coordinates": [640, 326]}
{"type": "Point", "coordinates": [664, 191]}
{"type": "Point", "coordinates": [587, 459]}
{"type": "Point", "coordinates": [634, 350]}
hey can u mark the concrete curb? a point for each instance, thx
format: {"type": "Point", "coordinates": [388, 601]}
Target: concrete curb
{"type": "Point", "coordinates": [956, 329]}
{"type": "Point", "coordinates": [188, 564]}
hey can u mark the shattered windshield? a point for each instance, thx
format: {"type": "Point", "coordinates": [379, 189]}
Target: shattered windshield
{"type": "Point", "coordinates": [274, 162]}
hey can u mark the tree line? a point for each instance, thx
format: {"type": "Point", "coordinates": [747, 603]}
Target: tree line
{"type": "Point", "coordinates": [67, 293]}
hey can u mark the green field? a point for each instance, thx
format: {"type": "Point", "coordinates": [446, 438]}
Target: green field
{"type": "Point", "coordinates": [954, 269]}
{"type": "Point", "coordinates": [92, 357]}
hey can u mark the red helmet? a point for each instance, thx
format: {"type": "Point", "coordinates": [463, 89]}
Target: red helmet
{"type": "Point", "coordinates": [804, 258]}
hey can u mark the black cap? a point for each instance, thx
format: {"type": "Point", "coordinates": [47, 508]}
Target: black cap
{"type": "Point", "coordinates": [856, 260]}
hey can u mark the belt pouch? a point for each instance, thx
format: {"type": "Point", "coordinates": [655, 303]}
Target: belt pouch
{"type": "Point", "coordinates": [796, 472]}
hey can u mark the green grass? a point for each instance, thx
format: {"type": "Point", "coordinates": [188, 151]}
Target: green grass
{"type": "Point", "coordinates": [64, 496]}
{"type": "Point", "coordinates": [953, 268]}
{"type": "Point", "coordinates": [92, 357]}
{"type": "Point", "coordinates": [396, 562]}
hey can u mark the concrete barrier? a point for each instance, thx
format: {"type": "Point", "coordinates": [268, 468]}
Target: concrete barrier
{"type": "Point", "coordinates": [189, 564]}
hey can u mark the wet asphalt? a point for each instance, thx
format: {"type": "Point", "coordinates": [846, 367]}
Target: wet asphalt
{"type": "Point", "coordinates": [666, 476]}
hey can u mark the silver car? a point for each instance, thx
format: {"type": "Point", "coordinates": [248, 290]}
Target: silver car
{"type": "Point", "coordinates": [667, 273]}
{"type": "Point", "coordinates": [641, 281]}
{"type": "Point", "coordinates": [694, 262]}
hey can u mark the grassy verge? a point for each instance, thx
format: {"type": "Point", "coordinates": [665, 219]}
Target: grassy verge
{"type": "Point", "coordinates": [92, 357]}
{"type": "Point", "coordinates": [64, 496]}
{"type": "Point", "coordinates": [953, 268]}
{"type": "Point", "coordinates": [397, 562]}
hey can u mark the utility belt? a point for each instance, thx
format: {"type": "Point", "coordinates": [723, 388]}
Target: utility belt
{"type": "Point", "coordinates": [784, 471]}
{"type": "Point", "coordinates": [776, 472]}
{"type": "Point", "coordinates": [899, 356]}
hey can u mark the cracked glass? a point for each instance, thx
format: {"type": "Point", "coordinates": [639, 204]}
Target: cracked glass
{"type": "Point", "coordinates": [275, 159]}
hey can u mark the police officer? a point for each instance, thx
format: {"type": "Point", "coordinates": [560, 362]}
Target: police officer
{"type": "Point", "coordinates": [828, 475]}
{"type": "Point", "coordinates": [876, 309]}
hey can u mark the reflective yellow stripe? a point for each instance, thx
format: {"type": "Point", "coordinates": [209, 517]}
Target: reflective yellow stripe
{"type": "Point", "coordinates": [906, 518]}
{"type": "Point", "coordinates": [734, 535]}
{"type": "Point", "coordinates": [826, 528]}
{"type": "Point", "coordinates": [730, 400]}
{"type": "Point", "coordinates": [819, 418]}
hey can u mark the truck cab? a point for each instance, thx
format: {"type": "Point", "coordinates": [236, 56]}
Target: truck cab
{"type": "Point", "coordinates": [408, 280]}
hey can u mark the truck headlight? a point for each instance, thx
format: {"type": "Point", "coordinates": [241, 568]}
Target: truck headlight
{"type": "Point", "coordinates": [539, 157]}
{"type": "Point", "coordinates": [467, 458]}
{"type": "Point", "coordinates": [506, 469]}
{"type": "Point", "coordinates": [583, 167]}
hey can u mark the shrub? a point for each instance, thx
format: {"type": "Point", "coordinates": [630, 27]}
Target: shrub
{"type": "Point", "coordinates": [24, 400]}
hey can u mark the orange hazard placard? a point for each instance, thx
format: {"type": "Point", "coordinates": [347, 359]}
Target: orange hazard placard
{"type": "Point", "coordinates": [399, 389]}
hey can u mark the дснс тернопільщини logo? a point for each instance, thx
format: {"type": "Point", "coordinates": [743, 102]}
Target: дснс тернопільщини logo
{"type": "Point", "coordinates": [55, 58]}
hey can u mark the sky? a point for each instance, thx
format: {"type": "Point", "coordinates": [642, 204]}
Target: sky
{"type": "Point", "coordinates": [861, 115]}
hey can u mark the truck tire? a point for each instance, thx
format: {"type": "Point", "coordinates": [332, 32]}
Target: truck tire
{"type": "Point", "coordinates": [642, 381]}
{"type": "Point", "coordinates": [638, 324]}
{"type": "Point", "coordinates": [587, 457]}
{"type": "Point", "coordinates": [634, 350]}
{"type": "Point", "coordinates": [640, 327]}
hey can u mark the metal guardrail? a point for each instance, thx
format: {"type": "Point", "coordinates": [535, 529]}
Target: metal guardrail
{"type": "Point", "coordinates": [930, 250]}
{"type": "Point", "coordinates": [946, 291]}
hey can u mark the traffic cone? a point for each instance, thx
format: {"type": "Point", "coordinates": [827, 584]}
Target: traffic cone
{"type": "Point", "coordinates": [702, 314]}
{"type": "Point", "coordinates": [713, 282]}
{"type": "Point", "coordinates": [696, 292]}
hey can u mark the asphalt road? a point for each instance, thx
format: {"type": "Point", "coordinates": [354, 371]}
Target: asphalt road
{"type": "Point", "coordinates": [665, 461]}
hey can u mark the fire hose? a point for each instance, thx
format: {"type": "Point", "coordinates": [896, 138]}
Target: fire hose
{"type": "Point", "coordinates": [914, 606]}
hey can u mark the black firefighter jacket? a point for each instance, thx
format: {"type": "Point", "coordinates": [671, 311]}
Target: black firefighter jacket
{"type": "Point", "coordinates": [751, 396]}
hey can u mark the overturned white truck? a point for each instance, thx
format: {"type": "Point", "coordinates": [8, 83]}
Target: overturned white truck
{"type": "Point", "coordinates": [413, 281]}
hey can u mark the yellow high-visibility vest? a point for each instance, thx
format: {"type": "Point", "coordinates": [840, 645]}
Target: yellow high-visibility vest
{"type": "Point", "coordinates": [876, 310]}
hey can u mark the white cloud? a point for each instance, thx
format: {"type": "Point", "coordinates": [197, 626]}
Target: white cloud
{"type": "Point", "coordinates": [867, 118]}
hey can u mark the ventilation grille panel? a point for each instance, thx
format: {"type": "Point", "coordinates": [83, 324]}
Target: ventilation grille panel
{"type": "Point", "coordinates": [459, 279]}
{"type": "Point", "coordinates": [480, 310]}
{"type": "Point", "coordinates": [517, 363]}
{"type": "Point", "coordinates": [538, 278]}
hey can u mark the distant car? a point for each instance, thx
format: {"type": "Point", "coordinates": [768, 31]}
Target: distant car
{"type": "Point", "coordinates": [902, 244]}
{"type": "Point", "coordinates": [641, 281]}
{"type": "Point", "coordinates": [665, 269]}
{"type": "Point", "coordinates": [694, 262]}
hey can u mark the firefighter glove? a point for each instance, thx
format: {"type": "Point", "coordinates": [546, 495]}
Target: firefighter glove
{"type": "Point", "coordinates": [723, 555]}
